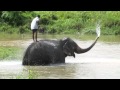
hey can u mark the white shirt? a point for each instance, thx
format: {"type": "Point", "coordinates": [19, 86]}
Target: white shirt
{"type": "Point", "coordinates": [34, 24]}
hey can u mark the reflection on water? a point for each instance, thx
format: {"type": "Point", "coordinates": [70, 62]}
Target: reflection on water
{"type": "Point", "coordinates": [103, 61]}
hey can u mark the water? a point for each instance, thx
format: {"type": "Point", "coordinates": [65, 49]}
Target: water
{"type": "Point", "coordinates": [101, 62]}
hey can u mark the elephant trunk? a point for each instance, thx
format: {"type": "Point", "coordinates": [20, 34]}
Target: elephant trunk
{"type": "Point", "coordinates": [80, 50]}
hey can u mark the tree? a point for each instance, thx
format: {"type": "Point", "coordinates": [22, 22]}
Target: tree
{"type": "Point", "coordinates": [14, 18]}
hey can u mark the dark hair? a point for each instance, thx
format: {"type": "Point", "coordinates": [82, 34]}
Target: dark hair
{"type": "Point", "coordinates": [38, 16]}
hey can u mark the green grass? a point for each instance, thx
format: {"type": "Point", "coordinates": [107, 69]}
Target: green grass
{"type": "Point", "coordinates": [10, 53]}
{"type": "Point", "coordinates": [14, 36]}
{"type": "Point", "coordinates": [6, 36]}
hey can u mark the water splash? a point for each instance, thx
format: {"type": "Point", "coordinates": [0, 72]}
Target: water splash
{"type": "Point", "coordinates": [98, 29]}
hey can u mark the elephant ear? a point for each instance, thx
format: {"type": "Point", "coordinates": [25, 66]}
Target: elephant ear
{"type": "Point", "coordinates": [68, 50]}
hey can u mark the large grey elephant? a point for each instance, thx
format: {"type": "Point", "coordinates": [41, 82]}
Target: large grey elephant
{"type": "Point", "coordinates": [45, 52]}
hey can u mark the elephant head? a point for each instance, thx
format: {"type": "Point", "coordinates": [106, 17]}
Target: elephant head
{"type": "Point", "coordinates": [70, 47]}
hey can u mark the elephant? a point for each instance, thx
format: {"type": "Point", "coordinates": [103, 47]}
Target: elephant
{"type": "Point", "coordinates": [46, 52]}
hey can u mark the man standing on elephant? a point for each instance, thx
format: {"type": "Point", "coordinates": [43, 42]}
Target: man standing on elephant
{"type": "Point", "coordinates": [34, 27]}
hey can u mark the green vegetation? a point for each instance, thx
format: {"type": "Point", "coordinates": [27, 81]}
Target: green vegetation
{"type": "Point", "coordinates": [61, 22]}
{"type": "Point", "coordinates": [10, 53]}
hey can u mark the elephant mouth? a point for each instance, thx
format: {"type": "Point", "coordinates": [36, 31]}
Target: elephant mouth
{"type": "Point", "coordinates": [71, 54]}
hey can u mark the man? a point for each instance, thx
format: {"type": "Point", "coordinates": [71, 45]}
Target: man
{"type": "Point", "coordinates": [34, 27]}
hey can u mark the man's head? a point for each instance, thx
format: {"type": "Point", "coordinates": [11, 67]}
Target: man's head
{"type": "Point", "coordinates": [38, 16]}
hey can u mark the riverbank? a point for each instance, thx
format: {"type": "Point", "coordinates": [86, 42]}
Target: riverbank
{"type": "Point", "coordinates": [28, 36]}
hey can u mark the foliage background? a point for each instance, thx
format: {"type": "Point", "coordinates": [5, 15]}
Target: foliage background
{"type": "Point", "coordinates": [61, 22]}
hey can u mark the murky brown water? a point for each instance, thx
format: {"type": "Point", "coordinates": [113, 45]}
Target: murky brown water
{"type": "Point", "coordinates": [101, 62]}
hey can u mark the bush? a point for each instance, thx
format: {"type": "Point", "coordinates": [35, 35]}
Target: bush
{"type": "Point", "coordinates": [61, 21]}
